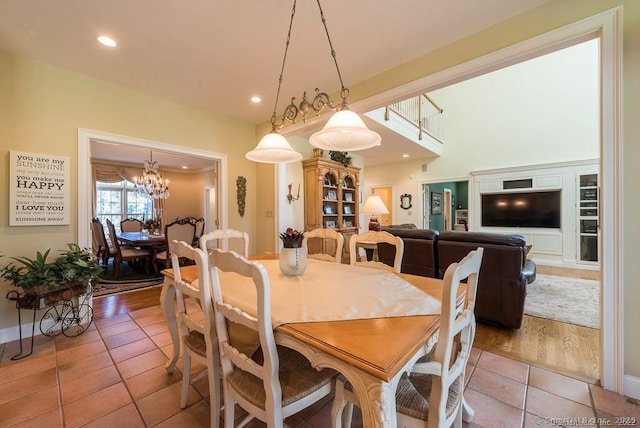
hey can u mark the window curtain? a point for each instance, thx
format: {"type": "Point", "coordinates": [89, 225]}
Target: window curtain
{"type": "Point", "coordinates": [109, 174]}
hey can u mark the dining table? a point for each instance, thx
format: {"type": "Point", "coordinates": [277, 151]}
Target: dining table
{"type": "Point", "coordinates": [141, 239]}
{"type": "Point", "coordinates": [370, 325]}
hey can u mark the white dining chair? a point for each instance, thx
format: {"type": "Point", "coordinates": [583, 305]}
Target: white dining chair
{"type": "Point", "coordinates": [431, 393]}
{"type": "Point", "coordinates": [210, 241]}
{"type": "Point", "coordinates": [376, 238]}
{"type": "Point", "coordinates": [197, 329]}
{"type": "Point", "coordinates": [274, 382]}
{"type": "Point", "coordinates": [331, 244]}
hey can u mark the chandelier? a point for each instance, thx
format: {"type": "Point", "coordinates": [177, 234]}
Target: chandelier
{"type": "Point", "coordinates": [151, 184]}
{"type": "Point", "coordinates": [345, 130]}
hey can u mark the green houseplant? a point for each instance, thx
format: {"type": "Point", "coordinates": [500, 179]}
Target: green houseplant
{"type": "Point", "coordinates": [72, 270]}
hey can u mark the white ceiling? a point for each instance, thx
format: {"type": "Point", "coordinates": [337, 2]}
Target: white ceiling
{"type": "Point", "coordinates": [215, 55]}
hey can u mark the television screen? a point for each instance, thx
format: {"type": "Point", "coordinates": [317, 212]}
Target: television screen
{"type": "Point", "coordinates": [522, 209]}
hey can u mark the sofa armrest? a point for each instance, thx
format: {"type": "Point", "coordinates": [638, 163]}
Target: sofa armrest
{"type": "Point", "coordinates": [529, 271]}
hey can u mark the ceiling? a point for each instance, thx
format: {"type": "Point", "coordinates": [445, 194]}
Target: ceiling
{"type": "Point", "coordinates": [216, 55]}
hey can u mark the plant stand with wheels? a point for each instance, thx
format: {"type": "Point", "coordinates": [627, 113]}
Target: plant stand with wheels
{"type": "Point", "coordinates": [69, 311]}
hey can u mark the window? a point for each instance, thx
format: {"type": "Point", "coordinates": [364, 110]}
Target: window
{"type": "Point", "coordinates": [117, 201]}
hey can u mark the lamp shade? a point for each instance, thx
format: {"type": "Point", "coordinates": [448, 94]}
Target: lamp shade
{"type": "Point", "coordinates": [345, 132]}
{"type": "Point", "coordinates": [273, 148]}
{"type": "Point", "coordinates": [374, 205]}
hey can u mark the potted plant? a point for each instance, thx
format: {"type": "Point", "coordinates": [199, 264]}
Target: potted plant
{"type": "Point", "coordinates": [67, 276]}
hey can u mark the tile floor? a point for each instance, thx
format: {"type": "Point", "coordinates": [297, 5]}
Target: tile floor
{"type": "Point", "coordinates": [113, 376]}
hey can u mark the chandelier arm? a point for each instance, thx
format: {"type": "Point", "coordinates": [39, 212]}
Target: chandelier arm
{"type": "Point", "coordinates": [344, 92]}
{"type": "Point", "coordinates": [274, 127]}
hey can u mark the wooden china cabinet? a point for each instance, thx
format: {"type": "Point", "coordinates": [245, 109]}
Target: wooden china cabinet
{"type": "Point", "coordinates": [331, 198]}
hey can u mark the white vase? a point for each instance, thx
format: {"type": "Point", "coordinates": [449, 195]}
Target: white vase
{"type": "Point", "coordinates": [293, 261]}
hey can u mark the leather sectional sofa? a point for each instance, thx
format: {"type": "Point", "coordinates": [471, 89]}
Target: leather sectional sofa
{"type": "Point", "coordinates": [504, 274]}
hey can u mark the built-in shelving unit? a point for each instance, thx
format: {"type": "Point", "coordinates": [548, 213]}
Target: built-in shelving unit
{"type": "Point", "coordinates": [588, 210]}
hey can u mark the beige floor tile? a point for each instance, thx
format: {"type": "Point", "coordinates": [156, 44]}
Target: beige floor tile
{"type": "Point", "coordinates": [132, 349]}
{"type": "Point", "coordinates": [64, 342]}
{"type": "Point", "coordinates": [151, 319]}
{"type": "Point", "coordinates": [614, 404]}
{"type": "Point", "coordinates": [42, 346]}
{"type": "Point", "coordinates": [11, 370]}
{"type": "Point", "coordinates": [112, 330]}
{"type": "Point", "coordinates": [124, 338]}
{"type": "Point", "coordinates": [151, 381]}
{"type": "Point", "coordinates": [28, 407]}
{"type": "Point", "coordinates": [165, 403]}
{"type": "Point", "coordinates": [193, 417]}
{"type": "Point", "coordinates": [141, 363]}
{"type": "Point", "coordinates": [555, 408]}
{"type": "Point", "coordinates": [563, 386]}
{"type": "Point", "coordinates": [27, 385]}
{"type": "Point", "coordinates": [125, 417]}
{"type": "Point", "coordinates": [89, 383]}
{"type": "Point", "coordinates": [154, 329]}
{"type": "Point", "coordinates": [144, 312]}
{"type": "Point", "coordinates": [96, 405]}
{"type": "Point", "coordinates": [77, 368]}
{"type": "Point", "coordinates": [504, 366]}
{"type": "Point", "coordinates": [533, 421]}
{"type": "Point", "coordinates": [104, 322]}
{"type": "Point", "coordinates": [82, 351]}
{"type": "Point", "coordinates": [490, 412]}
{"type": "Point", "coordinates": [49, 419]}
{"type": "Point", "coordinates": [499, 387]}
{"type": "Point", "coordinates": [162, 339]}
{"type": "Point", "coordinates": [474, 356]}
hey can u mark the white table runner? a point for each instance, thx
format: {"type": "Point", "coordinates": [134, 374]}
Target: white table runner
{"type": "Point", "coordinates": [330, 292]}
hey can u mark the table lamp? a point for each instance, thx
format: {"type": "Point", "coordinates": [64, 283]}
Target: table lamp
{"type": "Point", "coordinates": [374, 205]}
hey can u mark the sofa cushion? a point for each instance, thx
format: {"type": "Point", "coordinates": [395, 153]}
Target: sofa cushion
{"type": "Point", "coordinates": [419, 256]}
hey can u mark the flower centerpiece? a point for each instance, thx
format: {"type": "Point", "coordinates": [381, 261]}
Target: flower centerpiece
{"type": "Point", "coordinates": [293, 257]}
{"type": "Point", "coordinates": [291, 238]}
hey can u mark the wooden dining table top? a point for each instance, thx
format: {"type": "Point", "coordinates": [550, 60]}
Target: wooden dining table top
{"type": "Point", "coordinates": [377, 346]}
{"type": "Point", "coordinates": [141, 239]}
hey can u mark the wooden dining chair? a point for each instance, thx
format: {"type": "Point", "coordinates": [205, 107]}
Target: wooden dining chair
{"type": "Point", "coordinates": [102, 248]}
{"type": "Point", "coordinates": [131, 225]}
{"type": "Point", "coordinates": [431, 393]}
{"type": "Point", "coordinates": [275, 382]}
{"type": "Point", "coordinates": [126, 254]}
{"type": "Point", "coordinates": [328, 241]}
{"type": "Point", "coordinates": [210, 241]}
{"type": "Point", "coordinates": [376, 238]}
{"type": "Point", "coordinates": [179, 230]}
{"type": "Point", "coordinates": [197, 328]}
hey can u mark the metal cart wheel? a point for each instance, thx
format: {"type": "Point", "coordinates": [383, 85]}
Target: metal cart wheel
{"type": "Point", "coordinates": [51, 323]}
{"type": "Point", "coordinates": [77, 319]}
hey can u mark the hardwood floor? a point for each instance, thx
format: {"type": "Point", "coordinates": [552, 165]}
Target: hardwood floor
{"type": "Point", "coordinates": [556, 346]}
{"type": "Point", "coordinates": [559, 347]}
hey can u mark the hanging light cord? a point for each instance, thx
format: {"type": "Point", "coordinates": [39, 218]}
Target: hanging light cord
{"type": "Point", "coordinates": [284, 60]}
{"type": "Point", "coordinates": [344, 92]}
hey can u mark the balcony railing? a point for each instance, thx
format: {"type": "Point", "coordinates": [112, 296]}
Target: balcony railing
{"type": "Point", "coordinates": [421, 112]}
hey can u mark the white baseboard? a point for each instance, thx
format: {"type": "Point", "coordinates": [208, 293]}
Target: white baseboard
{"type": "Point", "coordinates": [10, 334]}
{"type": "Point", "coordinates": [631, 386]}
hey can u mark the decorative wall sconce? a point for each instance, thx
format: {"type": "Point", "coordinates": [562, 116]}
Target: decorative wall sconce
{"type": "Point", "coordinates": [241, 193]}
{"type": "Point", "coordinates": [290, 197]}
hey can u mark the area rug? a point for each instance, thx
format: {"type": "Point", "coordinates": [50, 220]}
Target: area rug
{"type": "Point", "coordinates": [570, 300]}
{"type": "Point", "coordinates": [130, 278]}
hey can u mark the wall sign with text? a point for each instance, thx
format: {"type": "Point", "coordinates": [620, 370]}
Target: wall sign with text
{"type": "Point", "coordinates": [38, 189]}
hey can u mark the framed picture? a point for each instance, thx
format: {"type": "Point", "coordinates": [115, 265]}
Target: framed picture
{"type": "Point", "coordinates": [328, 209]}
{"type": "Point", "coordinates": [326, 181]}
{"type": "Point", "coordinates": [347, 209]}
{"type": "Point", "coordinates": [348, 223]}
{"type": "Point", "coordinates": [436, 203]}
{"type": "Point", "coordinates": [331, 194]}
{"type": "Point", "coordinates": [348, 197]}
{"type": "Point", "coordinates": [330, 224]}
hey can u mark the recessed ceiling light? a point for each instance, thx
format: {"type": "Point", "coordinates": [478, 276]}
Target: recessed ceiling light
{"type": "Point", "coordinates": [107, 41]}
{"type": "Point", "coordinates": [405, 155]}
{"type": "Point", "coordinates": [185, 166]}
{"type": "Point", "coordinates": [256, 99]}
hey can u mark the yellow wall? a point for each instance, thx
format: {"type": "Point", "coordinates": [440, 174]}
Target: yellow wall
{"type": "Point", "coordinates": [41, 109]}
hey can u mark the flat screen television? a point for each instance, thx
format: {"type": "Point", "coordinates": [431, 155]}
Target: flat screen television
{"type": "Point", "coordinates": [521, 209]}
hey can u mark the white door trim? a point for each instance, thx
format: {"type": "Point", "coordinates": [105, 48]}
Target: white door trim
{"type": "Point", "coordinates": [84, 173]}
